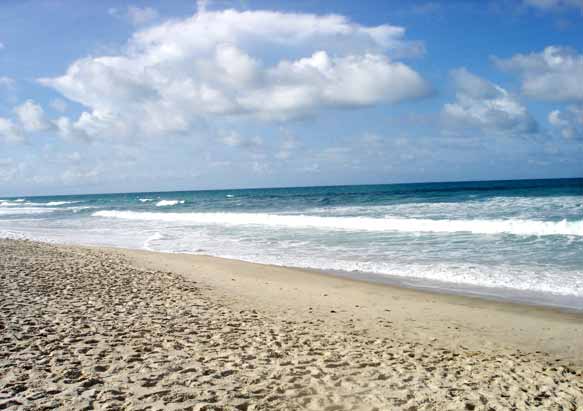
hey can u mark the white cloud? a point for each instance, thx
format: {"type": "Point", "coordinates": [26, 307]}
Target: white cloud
{"type": "Point", "coordinates": [6, 82]}
{"type": "Point", "coordinates": [141, 15]}
{"type": "Point", "coordinates": [233, 139]}
{"type": "Point", "coordinates": [81, 175]}
{"type": "Point", "coordinates": [555, 74]}
{"type": "Point", "coordinates": [569, 122]}
{"type": "Point", "coordinates": [9, 169]}
{"type": "Point", "coordinates": [301, 86]}
{"type": "Point", "coordinates": [32, 117]}
{"type": "Point", "coordinates": [554, 5]}
{"type": "Point", "coordinates": [137, 16]}
{"type": "Point", "coordinates": [267, 65]}
{"type": "Point", "coordinates": [89, 126]}
{"type": "Point", "coordinates": [59, 105]}
{"type": "Point", "coordinates": [288, 145]}
{"type": "Point", "coordinates": [260, 168]}
{"type": "Point", "coordinates": [10, 132]}
{"type": "Point", "coordinates": [486, 106]}
{"type": "Point", "coordinates": [74, 157]}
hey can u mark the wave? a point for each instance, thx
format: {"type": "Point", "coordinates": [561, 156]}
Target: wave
{"type": "Point", "coordinates": [58, 203]}
{"type": "Point", "coordinates": [11, 203]}
{"type": "Point", "coordinates": [168, 203]}
{"type": "Point", "coordinates": [510, 226]}
{"type": "Point", "coordinates": [13, 235]}
{"type": "Point", "coordinates": [145, 200]}
{"type": "Point", "coordinates": [525, 208]}
{"type": "Point", "coordinates": [157, 236]}
{"type": "Point", "coordinates": [471, 277]}
{"type": "Point", "coordinates": [26, 207]}
{"type": "Point", "coordinates": [80, 208]}
{"type": "Point", "coordinates": [22, 202]}
{"type": "Point", "coordinates": [25, 210]}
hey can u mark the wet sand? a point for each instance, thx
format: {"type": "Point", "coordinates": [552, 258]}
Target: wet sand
{"type": "Point", "coordinates": [96, 328]}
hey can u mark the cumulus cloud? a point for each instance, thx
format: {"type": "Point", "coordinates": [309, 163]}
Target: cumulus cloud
{"type": "Point", "coordinates": [262, 64]}
{"type": "Point", "coordinates": [486, 106]}
{"type": "Point", "coordinates": [554, 5]}
{"type": "Point", "coordinates": [555, 74]}
{"type": "Point", "coordinates": [569, 122]}
{"type": "Point", "coordinates": [32, 117]}
{"type": "Point", "coordinates": [10, 132]}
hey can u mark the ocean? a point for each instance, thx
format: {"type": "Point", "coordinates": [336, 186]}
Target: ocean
{"type": "Point", "coordinates": [512, 240]}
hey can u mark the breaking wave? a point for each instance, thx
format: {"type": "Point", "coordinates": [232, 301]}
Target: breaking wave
{"type": "Point", "coordinates": [477, 226]}
{"type": "Point", "coordinates": [168, 203]}
{"type": "Point", "coordinates": [59, 203]}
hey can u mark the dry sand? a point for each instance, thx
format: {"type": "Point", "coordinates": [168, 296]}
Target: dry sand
{"type": "Point", "coordinates": [89, 328]}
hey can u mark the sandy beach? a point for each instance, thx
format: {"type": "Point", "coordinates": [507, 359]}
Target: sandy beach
{"type": "Point", "coordinates": [107, 329]}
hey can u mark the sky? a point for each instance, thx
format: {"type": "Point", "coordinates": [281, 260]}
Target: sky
{"type": "Point", "coordinates": [128, 96]}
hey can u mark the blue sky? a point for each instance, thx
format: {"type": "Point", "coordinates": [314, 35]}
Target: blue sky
{"type": "Point", "coordinates": [142, 95]}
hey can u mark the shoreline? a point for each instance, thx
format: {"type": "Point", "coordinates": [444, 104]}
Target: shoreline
{"type": "Point", "coordinates": [110, 328]}
{"type": "Point", "coordinates": [522, 298]}
{"type": "Point", "coordinates": [454, 305]}
{"type": "Point", "coordinates": [383, 280]}
{"type": "Point", "coordinates": [440, 287]}
{"type": "Point", "coordinates": [417, 314]}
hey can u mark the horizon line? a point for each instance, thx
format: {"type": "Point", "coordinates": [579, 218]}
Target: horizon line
{"type": "Point", "coordinates": [301, 186]}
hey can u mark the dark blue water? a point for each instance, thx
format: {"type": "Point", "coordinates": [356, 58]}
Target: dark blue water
{"type": "Point", "coordinates": [521, 240]}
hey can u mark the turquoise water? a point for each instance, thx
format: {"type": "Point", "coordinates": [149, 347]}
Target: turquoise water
{"type": "Point", "coordinates": [518, 240]}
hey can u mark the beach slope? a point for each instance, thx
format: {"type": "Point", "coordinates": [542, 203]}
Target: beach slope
{"type": "Point", "coordinates": [89, 328]}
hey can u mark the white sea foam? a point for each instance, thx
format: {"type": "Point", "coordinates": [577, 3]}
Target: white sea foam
{"type": "Point", "coordinates": [25, 210]}
{"type": "Point", "coordinates": [11, 203]}
{"type": "Point", "coordinates": [59, 203]}
{"type": "Point", "coordinates": [168, 203]}
{"type": "Point", "coordinates": [80, 208]}
{"type": "Point", "coordinates": [153, 238]}
{"type": "Point", "coordinates": [465, 275]}
{"type": "Point", "coordinates": [494, 207]}
{"type": "Point", "coordinates": [145, 200]}
{"type": "Point", "coordinates": [12, 235]}
{"type": "Point", "coordinates": [477, 226]}
{"type": "Point", "coordinates": [21, 203]}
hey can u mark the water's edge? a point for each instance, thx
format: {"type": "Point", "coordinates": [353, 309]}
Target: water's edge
{"type": "Point", "coordinates": [439, 288]}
